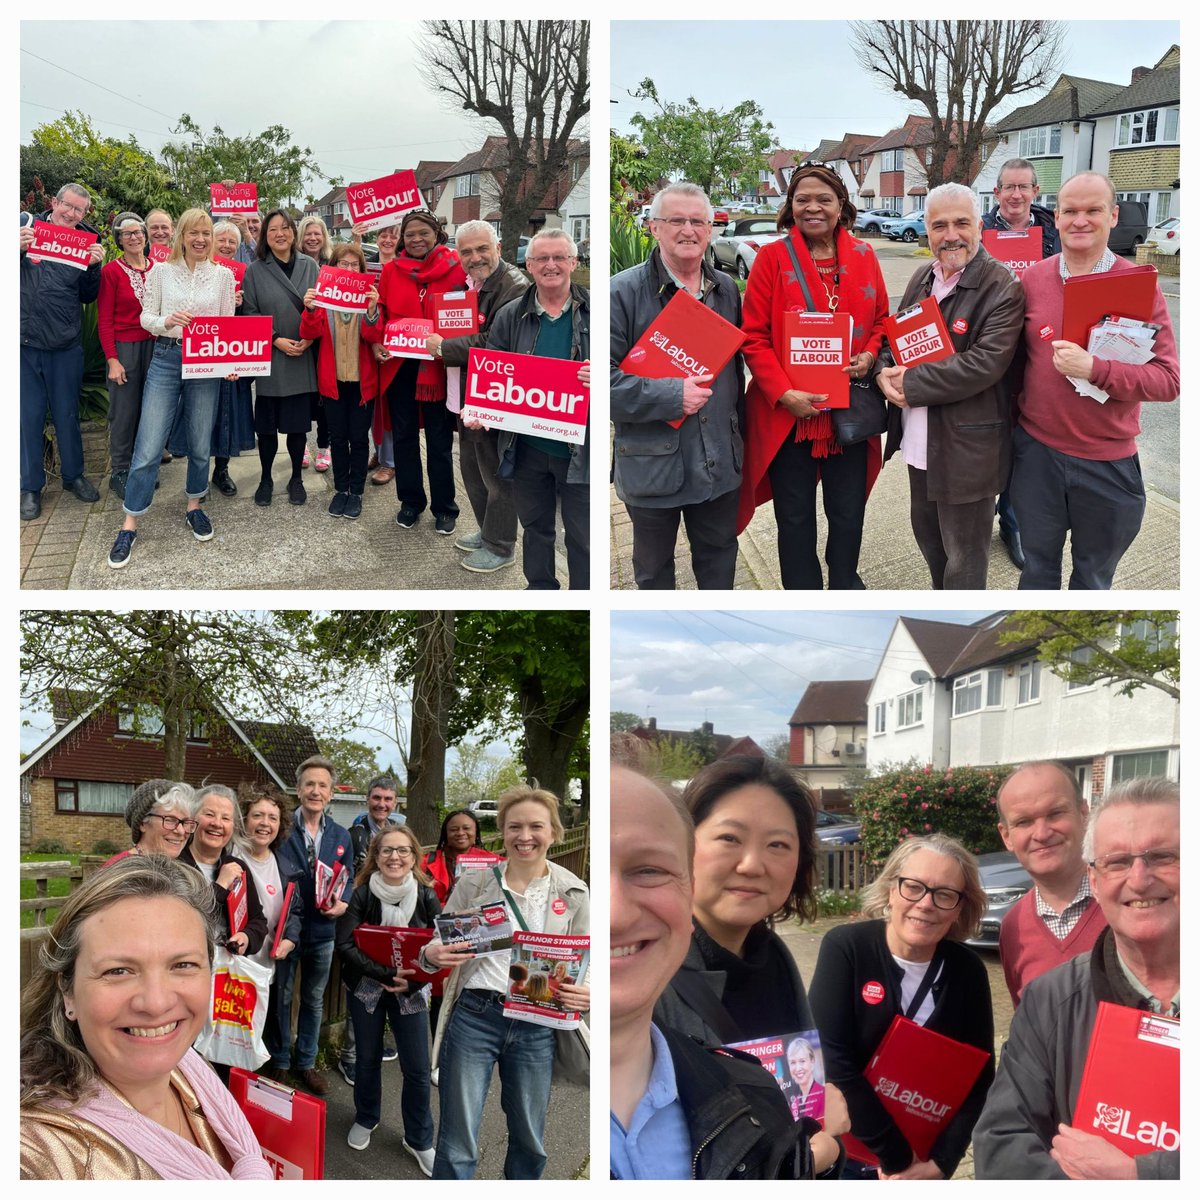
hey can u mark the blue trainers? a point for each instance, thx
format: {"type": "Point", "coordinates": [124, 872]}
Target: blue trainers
{"type": "Point", "coordinates": [337, 506]}
{"type": "Point", "coordinates": [201, 526]}
{"type": "Point", "coordinates": [118, 556]}
{"type": "Point", "coordinates": [353, 509]}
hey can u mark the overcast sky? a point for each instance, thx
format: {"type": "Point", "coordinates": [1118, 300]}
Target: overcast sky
{"type": "Point", "coordinates": [743, 671]}
{"type": "Point", "coordinates": [805, 77]}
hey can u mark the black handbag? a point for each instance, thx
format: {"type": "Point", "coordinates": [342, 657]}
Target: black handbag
{"type": "Point", "coordinates": [867, 415]}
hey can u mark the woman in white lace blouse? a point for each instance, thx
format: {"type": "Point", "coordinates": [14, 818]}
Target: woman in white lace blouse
{"type": "Point", "coordinates": [188, 285]}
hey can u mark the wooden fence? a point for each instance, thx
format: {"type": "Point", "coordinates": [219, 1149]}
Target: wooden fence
{"type": "Point", "coordinates": [844, 868]}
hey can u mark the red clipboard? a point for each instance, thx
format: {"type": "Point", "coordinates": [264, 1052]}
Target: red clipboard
{"type": "Point", "coordinates": [385, 944]}
{"type": "Point", "coordinates": [918, 334]}
{"type": "Point", "coordinates": [456, 314]}
{"type": "Point", "coordinates": [1017, 249]}
{"type": "Point", "coordinates": [1088, 299]}
{"type": "Point", "coordinates": [816, 346]}
{"type": "Point", "coordinates": [284, 912]}
{"type": "Point", "coordinates": [289, 1125]}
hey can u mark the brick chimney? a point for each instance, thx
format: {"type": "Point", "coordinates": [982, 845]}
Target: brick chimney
{"type": "Point", "coordinates": [651, 722]}
{"type": "Point", "coordinates": [1137, 74]}
{"type": "Point", "coordinates": [707, 729]}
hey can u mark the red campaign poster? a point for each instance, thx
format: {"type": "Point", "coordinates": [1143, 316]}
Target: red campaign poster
{"type": "Point", "coordinates": [1088, 299]}
{"type": "Point", "coordinates": [1015, 248]}
{"type": "Point", "coordinates": [58, 244]}
{"type": "Point", "coordinates": [921, 1078]}
{"type": "Point", "coordinates": [289, 1125]}
{"type": "Point", "coordinates": [526, 394]}
{"type": "Point", "coordinates": [342, 291]}
{"type": "Point", "coordinates": [397, 946]}
{"type": "Point", "coordinates": [405, 337]}
{"type": "Point", "coordinates": [816, 346]}
{"type": "Point", "coordinates": [541, 963]}
{"type": "Point", "coordinates": [456, 314]}
{"type": "Point", "coordinates": [241, 200]}
{"type": "Point", "coordinates": [1129, 1093]}
{"type": "Point", "coordinates": [687, 338]}
{"type": "Point", "coordinates": [159, 253]}
{"type": "Point", "coordinates": [382, 202]}
{"type": "Point", "coordinates": [918, 334]}
{"type": "Point", "coordinates": [220, 346]}
{"type": "Point", "coordinates": [238, 268]}
{"type": "Point", "coordinates": [288, 896]}
{"type": "Point", "coordinates": [238, 905]}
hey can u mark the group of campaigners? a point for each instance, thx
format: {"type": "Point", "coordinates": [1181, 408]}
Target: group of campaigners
{"type": "Point", "coordinates": [697, 884]}
{"type": "Point", "coordinates": [111, 1087]}
{"type": "Point", "coordinates": [327, 367]}
{"type": "Point", "coordinates": [999, 418]}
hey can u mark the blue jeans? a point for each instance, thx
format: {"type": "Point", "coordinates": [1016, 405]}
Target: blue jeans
{"type": "Point", "coordinates": [313, 959]}
{"type": "Point", "coordinates": [50, 379]}
{"type": "Point", "coordinates": [167, 393]}
{"type": "Point", "coordinates": [412, 1043]}
{"type": "Point", "coordinates": [478, 1037]}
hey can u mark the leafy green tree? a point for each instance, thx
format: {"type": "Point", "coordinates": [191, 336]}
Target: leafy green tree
{"type": "Point", "coordinates": [674, 761]}
{"type": "Point", "coordinates": [628, 167]}
{"type": "Point", "coordinates": [478, 774]}
{"type": "Point", "coordinates": [356, 762]}
{"type": "Point", "coordinates": [622, 722]}
{"type": "Point", "coordinates": [779, 746]}
{"type": "Point", "coordinates": [709, 146]}
{"type": "Point", "coordinates": [703, 744]}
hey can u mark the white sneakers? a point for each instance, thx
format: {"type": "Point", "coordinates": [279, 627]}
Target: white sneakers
{"type": "Point", "coordinates": [424, 1158]}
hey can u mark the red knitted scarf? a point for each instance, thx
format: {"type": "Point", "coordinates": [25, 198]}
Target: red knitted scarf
{"type": "Point", "coordinates": [439, 267]}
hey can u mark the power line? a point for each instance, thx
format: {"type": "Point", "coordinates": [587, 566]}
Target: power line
{"type": "Point", "coordinates": [119, 95]}
{"type": "Point", "coordinates": [101, 120]}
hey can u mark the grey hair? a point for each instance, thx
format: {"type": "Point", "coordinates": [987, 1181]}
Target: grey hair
{"type": "Point", "coordinates": [471, 228]}
{"type": "Point", "coordinates": [77, 188]}
{"type": "Point", "coordinates": [387, 782]}
{"type": "Point", "coordinates": [219, 789]}
{"type": "Point", "coordinates": [561, 234]}
{"type": "Point", "coordinates": [177, 796]}
{"type": "Point", "coordinates": [1017, 164]}
{"type": "Point", "coordinates": [953, 191]}
{"type": "Point", "coordinates": [222, 226]}
{"type": "Point", "coordinates": [1132, 791]}
{"type": "Point", "coordinates": [693, 191]}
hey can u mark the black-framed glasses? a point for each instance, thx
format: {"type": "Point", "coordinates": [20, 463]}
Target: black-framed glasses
{"type": "Point", "coordinates": [172, 823]}
{"type": "Point", "coordinates": [395, 852]}
{"type": "Point", "coordinates": [1115, 866]}
{"type": "Point", "coordinates": [914, 890]}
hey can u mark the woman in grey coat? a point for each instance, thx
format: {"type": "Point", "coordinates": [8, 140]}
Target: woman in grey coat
{"type": "Point", "coordinates": [274, 287]}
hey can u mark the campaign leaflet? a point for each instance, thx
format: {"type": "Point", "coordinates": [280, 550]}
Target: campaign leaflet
{"type": "Point", "coordinates": [241, 200]}
{"type": "Point", "coordinates": [382, 202]}
{"type": "Point", "coordinates": [488, 928]}
{"type": "Point", "coordinates": [405, 337]}
{"type": "Point", "coordinates": [220, 346]}
{"type": "Point", "coordinates": [288, 1125]}
{"type": "Point", "coordinates": [456, 314]}
{"type": "Point", "coordinates": [289, 896]}
{"type": "Point", "coordinates": [342, 291]}
{"type": "Point", "coordinates": [816, 349]}
{"type": "Point", "coordinates": [541, 963]}
{"type": "Point", "coordinates": [527, 394]}
{"type": "Point", "coordinates": [1015, 248]}
{"type": "Point", "coordinates": [237, 905]}
{"type": "Point", "coordinates": [397, 946]}
{"type": "Point", "coordinates": [1129, 1093]}
{"type": "Point", "coordinates": [476, 860]}
{"type": "Point", "coordinates": [328, 883]}
{"type": "Point", "coordinates": [238, 269]}
{"type": "Point", "coordinates": [159, 253]}
{"type": "Point", "coordinates": [797, 1065]}
{"type": "Point", "coordinates": [687, 338]}
{"type": "Point", "coordinates": [918, 334]}
{"type": "Point", "coordinates": [58, 244]}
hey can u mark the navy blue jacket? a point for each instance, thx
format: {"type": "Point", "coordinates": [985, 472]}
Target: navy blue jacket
{"type": "Point", "coordinates": [52, 296]}
{"type": "Point", "coordinates": [335, 847]}
{"type": "Point", "coordinates": [1042, 217]}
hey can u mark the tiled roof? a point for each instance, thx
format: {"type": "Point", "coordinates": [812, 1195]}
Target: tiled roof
{"type": "Point", "coordinates": [833, 700]}
{"type": "Point", "coordinates": [916, 131]}
{"type": "Point", "coordinates": [1159, 86]}
{"type": "Point", "coordinates": [745, 746]}
{"type": "Point", "coordinates": [1070, 98]}
{"type": "Point", "coordinates": [940, 642]}
{"type": "Point", "coordinates": [285, 747]}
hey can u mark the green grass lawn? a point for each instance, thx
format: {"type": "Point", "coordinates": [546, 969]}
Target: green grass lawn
{"type": "Point", "coordinates": [57, 887]}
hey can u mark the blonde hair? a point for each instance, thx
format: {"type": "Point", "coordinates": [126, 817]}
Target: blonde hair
{"type": "Point", "coordinates": [307, 223]}
{"type": "Point", "coordinates": [187, 222]}
{"type": "Point", "coordinates": [519, 795]}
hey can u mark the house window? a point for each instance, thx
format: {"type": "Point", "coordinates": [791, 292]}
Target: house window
{"type": "Point", "coordinates": [881, 718]}
{"type": "Point", "coordinates": [578, 166]}
{"type": "Point", "coordinates": [1149, 125]}
{"type": "Point", "coordinates": [1155, 637]}
{"type": "Point", "coordinates": [1081, 655]}
{"type": "Point", "coordinates": [1029, 681]}
{"type": "Point", "coordinates": [145, 722]}
{"type": "Point", "coordinates": [1162, 207]}
{"type": "Point", "coordinates": [1146, 764]}
{"type": "Point", "coordinates": [970, 691]}
{"type": "Point", "coordinates": [1046, 139]}
{"type": "Point", "coordinates": [579, 229]}
{"type": "Point", "coordinates": [87, 796]}
{"type": "Point", "coordinates": [467, 185]}
{"type": "Point", "coordinates": [908, 709]}
{"type": "Point", "coordinates": [893, 160]}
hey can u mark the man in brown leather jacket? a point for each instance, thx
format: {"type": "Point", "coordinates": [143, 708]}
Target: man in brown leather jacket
{"type": "Point", "coordinates": [952, 419]}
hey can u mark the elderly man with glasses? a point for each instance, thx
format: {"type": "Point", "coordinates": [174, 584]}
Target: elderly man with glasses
{"type": "Point", "coordinates": [1029, 1128]}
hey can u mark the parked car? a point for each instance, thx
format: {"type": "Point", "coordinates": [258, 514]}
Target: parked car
{"type": "Point", "coordinates": [1131, 229]}
{"type": "Point", "coordinates": [720, 218]}
{"type": "Point", "coordinates": [871, 221]}
{"type": "Point", "coordinates": [907, 229]}
{"type": "Point", "coordinates": [484, 809]}
{"type": "Point", "coordinates": [737, 247]}
{"type": "Point", "coordinates": [835, 830]}
{"type": "Point", "coordinates": [1165, 236]}
{"type": "Point", "coordinates": [522, 246]}
{"type": "Point", "coordinates": [1004, 882]}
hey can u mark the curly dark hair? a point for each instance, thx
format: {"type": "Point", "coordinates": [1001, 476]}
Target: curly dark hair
{"type": "Point", "coordinates": [826, 175]}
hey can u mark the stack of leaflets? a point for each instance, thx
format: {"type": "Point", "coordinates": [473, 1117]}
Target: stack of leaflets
{"type": "Point", "coordinates": [1118, 339]}
{"type": "Point", "coordinates": [488, 928]}
{"type": "Point", "coordinates": [541, 963]}
{"type": "Point", "coordinates": [327, 883]}
{"type": "Point", "coordinates": [795, 1063]}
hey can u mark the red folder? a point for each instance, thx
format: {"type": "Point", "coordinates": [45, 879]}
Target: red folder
{"type": "Point", "coordinates": [1087, 299]}
{"type": "Point", "coordinates": [237, 905]}
{"type": "Point", "coordinates": [816, 346]}
{"type": "Point", "coordinates": [918, 334]}
{"type": "Point", "coordinates": [922, 1079]}
{"type": "Point", "coordinates": [289, 1125]}
{"type": "Point", "coordinates": [394, 945]}
{"type": "Point", "coordinates": [1015, 248]}
{"type": "Point", "coordinates": [288, 894]}
{"type": "Point", "coordinates": [687, 338]}
{"type": "Point", "coordinates": [1129, 1093]}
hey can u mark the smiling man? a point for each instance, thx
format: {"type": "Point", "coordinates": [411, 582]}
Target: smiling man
{"type": "Point", "coordinates": [1042, 818]}
{"type": "Point", "coordinates": [951, 419]}
{"type": "Point", "coordinates": [1132, 851]}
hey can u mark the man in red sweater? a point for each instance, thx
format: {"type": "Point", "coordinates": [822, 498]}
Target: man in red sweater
{"type": "Point", "coordinates": [1042, 819]}
{"type": "Point", "coordinates": [1075, 463]}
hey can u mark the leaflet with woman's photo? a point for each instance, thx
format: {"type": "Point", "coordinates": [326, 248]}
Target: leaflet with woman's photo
{"type": "Point", "coordinates": [476, 860]}
{"type": "Point", "coordinates": [541, 963]}
{"type": "Point", "coordinates": [795, 1062]}
{"type": "Point", "coordinates": [488, 928]}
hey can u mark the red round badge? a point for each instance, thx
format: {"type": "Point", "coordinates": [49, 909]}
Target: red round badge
{"type": "Point", "coordinates": [637, 354]}
{"type": "Point", "coordinates": [959, 326]}
{"type": "Point", "coordinates": [340, 851]}
{"type": "Point", "coordinates": [558, 906]}
{"type": "Point", "coordinates": [1046, 332]}
{"type": "Point", "coordinates": [872, 992]}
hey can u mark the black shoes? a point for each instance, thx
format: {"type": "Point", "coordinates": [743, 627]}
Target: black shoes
{"type": "Point", "coordinates": [31, 506]}
{"type": "Point", "coordinates": [296, 492]}
{"type": "Point", "coordinates": [1012, 543]}
{"type": "Point", "coordinates": [406, 518]}
{"type": "Point", "coordinates": [82, 490]}
{"type": "Point", "coordinates": [224, 484]}
{"type": "Point", "coordinates": [262, 494]}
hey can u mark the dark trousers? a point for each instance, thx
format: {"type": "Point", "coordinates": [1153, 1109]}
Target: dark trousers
{"type": "Point", "coordinates": [712, 537]}
{"type": "Point", "coordinates": [347, 437]}
{"type": "Point", "coordinates": [539, 487]}
{"type": "Point", "coordinates": [954, 539]}
{"type": "Point", "coordinates": [407, 415]}
{"type": "Point", "coordinates": [50, 379]}
{"type": "Point", "coordinates": [319, 412]}
{"type": "Point", "coordinates": [125, 401]}
{"type": "Point", "coordinates": [491, 498]}
{"type": "Point", "coordinates": [843, 478]}
{"type": "Point", "coordinates": [1100, 503]}
{"type": "Point", "coordinates": [1006, 513]}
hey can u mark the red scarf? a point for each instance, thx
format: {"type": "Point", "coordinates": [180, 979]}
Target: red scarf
{"type": "Point", "coordinates": [439, 271]}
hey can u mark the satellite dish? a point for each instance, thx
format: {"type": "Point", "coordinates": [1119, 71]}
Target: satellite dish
{"type": "Point", "coordinates": [826, 739]}
{"type": "Point", "coordinates": [920, 677]}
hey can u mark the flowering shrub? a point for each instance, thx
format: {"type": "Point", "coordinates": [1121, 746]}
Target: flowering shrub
{"type": "Point", "coordinates": [911, 800]}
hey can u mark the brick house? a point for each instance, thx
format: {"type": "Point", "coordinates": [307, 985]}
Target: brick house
{"type": "Point", "coordinates": [896, 166]}
{"type": "Point", "coordinates": [828, 735]}
{"type": "Point", "coordinates": [75, 785]}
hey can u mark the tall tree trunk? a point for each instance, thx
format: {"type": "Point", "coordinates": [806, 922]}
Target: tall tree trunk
{"type": "Point", "coordinates": [433, 693]}
{"type": "Point", "coordinates": [550, 739]}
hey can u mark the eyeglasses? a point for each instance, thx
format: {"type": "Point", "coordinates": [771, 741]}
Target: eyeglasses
{"type": "Point", "coordinates": [556, 259]}
{"type": "Point", "coordinates": [171, 823]}
{"type": "Point", "coordinates": [1009, 188]}
{"type": "Point", "coordinates": [74, 208]}
{"type": "Point", "coordinates": [395, 852]}
{"type": "Point", "coordinates": [680, 222]}
{"type": "Point", "coordinates": [914, 890]}
{"type": "Point", "coordinates": [1117, 866]}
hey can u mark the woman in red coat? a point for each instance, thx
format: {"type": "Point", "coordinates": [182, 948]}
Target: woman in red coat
{"type": "Point", "coordinates": [348, 380]}
{"type": "Point", "coordinates": [790, 443]}
{"type": "Point", "coordinates": [416, 389]}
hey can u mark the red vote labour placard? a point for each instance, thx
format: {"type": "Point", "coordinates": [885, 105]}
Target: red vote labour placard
{"type": "Point", "coordinates": [241, 200]}
{"type": "Point", "coordinates": [816, 346]}
{"type": "Point", "coordinates": [526, 394]}
{"type": "Point", "coordinates": [383, 201]}
{"type": "Point", "coordinates": [919, 334]}
{"type": "Point", "coordinates": [58, 244]}
{"type": "Point", "coordinates": [343, 291]}
{"type": "Point", "coordinates": [405, 337]}
{"type": "Point", "coordinates": [238, 268]}
{"type": "Point", "coordinates": [159, 253]}
{"type": "Point", "coordinates": [456, 314]}
{"type": "Point", "coordinates": [1015, 248]}
{"type": "Point", "coordinates": [214, 347]}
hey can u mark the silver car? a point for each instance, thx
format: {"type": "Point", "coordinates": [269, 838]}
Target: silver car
{"type": "Point", "coordinates": [1004, 882]}
{"type": "Point", "coordinates": [737, 247]}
